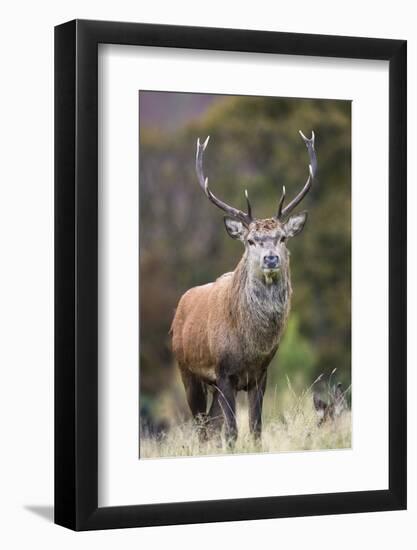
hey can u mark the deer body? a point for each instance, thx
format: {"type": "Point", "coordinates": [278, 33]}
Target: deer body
{"type": "Point", "coordinates": [225, 333]}
{"type": "Point", "coordinates": [237, 320]}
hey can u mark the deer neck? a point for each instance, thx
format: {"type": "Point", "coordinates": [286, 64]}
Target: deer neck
{"type": "Point", "coordinates": [260, 307]}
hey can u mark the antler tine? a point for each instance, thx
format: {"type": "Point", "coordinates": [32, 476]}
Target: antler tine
{"type": "Point", "coordinates": [248, 204]}
{"type": "Point", "coordinates": [281, 203]}
{"type": "Point", "coordinates": [233, 212]}
{"type": "Point", "coordinates": [312, 168]}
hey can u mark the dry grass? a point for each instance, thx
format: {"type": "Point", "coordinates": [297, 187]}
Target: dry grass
{"type": "Point", "coordinates": [295, 429]}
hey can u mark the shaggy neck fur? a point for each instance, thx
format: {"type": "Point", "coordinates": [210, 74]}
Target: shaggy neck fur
{"type": "Point", "coordinates": [260, 307]}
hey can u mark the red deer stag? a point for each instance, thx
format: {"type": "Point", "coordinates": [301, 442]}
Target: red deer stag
{"type": "Point", "coordinates": [225, 334]}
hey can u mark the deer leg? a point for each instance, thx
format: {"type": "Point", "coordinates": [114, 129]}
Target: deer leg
{"type": "Point", "coordinates": [196, 394]}
{"type": "Point", "coordinates": [215, 419]}
{"type": "Point", "coordinates": [224, 405]}
{"type": "Point", "coordinates": [256, 397]}
{"type": "Point", "coordinates": [215, 414]}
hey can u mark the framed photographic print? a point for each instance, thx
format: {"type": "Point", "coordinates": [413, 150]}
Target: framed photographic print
{"type": "Point", "coordinates": [230, 338]}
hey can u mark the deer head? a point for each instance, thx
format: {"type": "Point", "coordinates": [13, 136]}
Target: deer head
{"type": "Point", "coordinates": [264, 239]}
{"type": "Point", "coordinates": [333, 407]}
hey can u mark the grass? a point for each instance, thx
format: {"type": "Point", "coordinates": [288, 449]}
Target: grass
{"type": "Point", "coordinates": [295, 428]}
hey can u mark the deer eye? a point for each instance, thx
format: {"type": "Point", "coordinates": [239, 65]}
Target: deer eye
{"type": "Point", "coordinates": [252, 243]}
{"type": "Point", "coordinates": [283, 238]}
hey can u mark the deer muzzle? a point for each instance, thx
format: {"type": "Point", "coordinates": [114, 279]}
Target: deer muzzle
{"type": "Point", "coordinates": [271, 261]}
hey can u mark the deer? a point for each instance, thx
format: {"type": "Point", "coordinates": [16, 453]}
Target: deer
{"type": "Point", "coordinates": [226, 333]}
{"type": "Point", "coordinates": [333, 407]}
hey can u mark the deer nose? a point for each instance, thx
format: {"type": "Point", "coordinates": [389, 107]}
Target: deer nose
{"type": "Point", "coordinates": [271, 262]}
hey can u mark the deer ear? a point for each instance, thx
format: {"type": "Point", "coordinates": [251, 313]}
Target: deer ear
{"type": "Point", "coordinates": [235, 228]}
{"type": "Point", "coordinates": [295, 224]}
{"type": "Point", "coordinates": [339, 391]}
{"type": "Point", "coordinates": [319, 404]}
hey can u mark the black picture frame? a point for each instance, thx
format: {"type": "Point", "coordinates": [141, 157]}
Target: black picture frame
{"type": "Point", "coordinates": [76, 272]}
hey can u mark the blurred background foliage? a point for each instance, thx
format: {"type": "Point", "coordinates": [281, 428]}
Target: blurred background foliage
{"type": "Point", "coordinates": [254, 145]}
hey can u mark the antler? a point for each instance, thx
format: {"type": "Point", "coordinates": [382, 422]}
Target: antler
{"type": "Point", "coordinates": [312, 168]}
{"type": "Point", "coordinates": [245, 218]}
